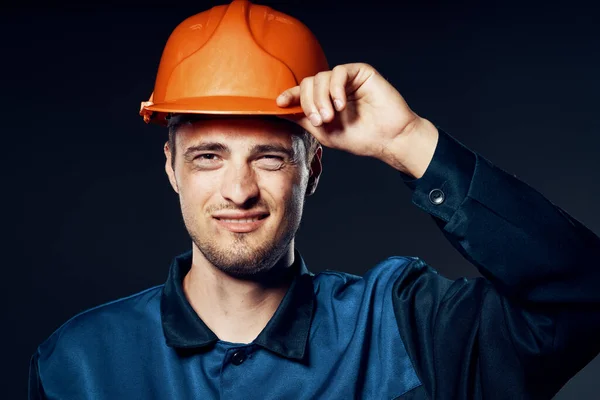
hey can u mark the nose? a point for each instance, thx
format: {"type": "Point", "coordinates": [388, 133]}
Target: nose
{"type": "Point", "coordinates": [239, 184]}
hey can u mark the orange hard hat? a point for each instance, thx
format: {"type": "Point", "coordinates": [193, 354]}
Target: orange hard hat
{"type": "Point", "coordinates": [233, 59]}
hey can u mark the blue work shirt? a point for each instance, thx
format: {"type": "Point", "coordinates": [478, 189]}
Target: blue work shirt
{"type": "Point", "coordinates": [401, 331]}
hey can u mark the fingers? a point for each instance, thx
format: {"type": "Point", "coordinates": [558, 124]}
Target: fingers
{"type": "Point", "coordinates": [307, 101]}
{"type": "Point", "coordinates": [339, 79]}
{"type": "Point", "coordinates": [289, 97]}
{"type": "Point", "coordinates": [320, 96]}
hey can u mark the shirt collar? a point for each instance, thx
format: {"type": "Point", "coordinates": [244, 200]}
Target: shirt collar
{"type": "Point", "coordinates": [285, 334]}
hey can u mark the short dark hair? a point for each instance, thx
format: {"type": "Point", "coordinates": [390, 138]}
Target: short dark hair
{"type": "Point", "coordinates": [176, 120]}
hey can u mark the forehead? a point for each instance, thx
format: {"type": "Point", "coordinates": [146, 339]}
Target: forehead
{"type": "Point", "coordinates": [242, 130]}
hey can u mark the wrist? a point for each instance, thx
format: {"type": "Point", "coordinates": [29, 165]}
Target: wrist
{"type": "Point", "coordinates": [411, 151]}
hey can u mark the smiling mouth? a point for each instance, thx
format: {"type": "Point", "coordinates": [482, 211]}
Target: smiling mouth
{"type": "Point", "coordinates": [242, 220]}
{"type": "Point", "coordinates": [242, 225]}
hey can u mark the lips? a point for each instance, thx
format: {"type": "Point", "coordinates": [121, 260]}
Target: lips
{"type": "Point", "coordinates": [241, 222]}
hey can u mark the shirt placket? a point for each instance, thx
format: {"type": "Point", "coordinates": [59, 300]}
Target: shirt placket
{"type": "Point", "coordinates": [237, 370]}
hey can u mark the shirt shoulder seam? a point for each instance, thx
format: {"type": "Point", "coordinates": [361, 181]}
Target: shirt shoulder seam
{"type": "Point", "coordinates": [411, 259]}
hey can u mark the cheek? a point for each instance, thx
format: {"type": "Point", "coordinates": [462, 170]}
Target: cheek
{"type": "Point", "coordinates": [284, 194]}
{"type": "Point", "coordinates": [195, 192]}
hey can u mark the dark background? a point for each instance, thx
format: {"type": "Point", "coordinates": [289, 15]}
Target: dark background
{"type": "Point", "coordinates": [91, 216]}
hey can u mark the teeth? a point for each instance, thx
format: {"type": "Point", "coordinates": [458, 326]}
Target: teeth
{"type": "Point", "coordinates": [240, 220]}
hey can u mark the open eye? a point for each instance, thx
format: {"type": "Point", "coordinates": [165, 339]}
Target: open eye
{"type": "Point", "coordinates": [207, 161]}
{"type": "Point", "coordinates": [207, 156]}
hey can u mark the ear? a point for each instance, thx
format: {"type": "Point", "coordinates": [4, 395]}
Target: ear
{"type": "Point", "coordinates": [169, 167]}
{"type": "Point", "coordinates": [315, 171]}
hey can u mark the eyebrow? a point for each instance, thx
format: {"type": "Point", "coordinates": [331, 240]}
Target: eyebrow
{"type": "Point", "coordinates": [272, 148]}
{"type": "Point", "coordinates": [207, 146]}
{"type": "Point", "coordinates": [256, 149]}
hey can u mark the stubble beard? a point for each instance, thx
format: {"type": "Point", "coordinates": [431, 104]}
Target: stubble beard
{"type": "Point", "coordinates": [240, 260]}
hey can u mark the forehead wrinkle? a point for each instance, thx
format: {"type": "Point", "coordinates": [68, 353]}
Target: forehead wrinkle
{"type": "Point", "coordinates": [238, 126]}
{"type": "Point", "coordinates": [249, 138]}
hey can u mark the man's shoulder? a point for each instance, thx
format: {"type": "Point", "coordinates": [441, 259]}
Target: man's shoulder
{"type": "Point", "coordinates": [381, 274]}
{"type": "Point", "coordinates": [363, 305]}
{"type": "Point", "coordinates": [128, 313]}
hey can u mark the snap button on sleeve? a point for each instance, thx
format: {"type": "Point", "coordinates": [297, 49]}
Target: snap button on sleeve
{"type": "Point", "coordinates": [436, 196]}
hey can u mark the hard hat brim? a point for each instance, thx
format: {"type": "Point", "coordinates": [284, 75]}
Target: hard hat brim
{"type": "Point", "coordinates": [222, 105]}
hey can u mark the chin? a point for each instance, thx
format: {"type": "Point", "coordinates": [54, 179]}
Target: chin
{"type": "Point", "coordinates": [241, 259]}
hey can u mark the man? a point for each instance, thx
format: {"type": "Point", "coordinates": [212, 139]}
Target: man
{"type": "Point", "coordinates": [245, 91]}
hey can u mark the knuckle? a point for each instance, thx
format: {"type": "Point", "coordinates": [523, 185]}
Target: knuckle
{"type": "Point", "coordinates": [338, 69]}
{"type": "Point", "coordinates": [306, 81]}
{"type": "Point", "coordinates": [321, 76]}
{"type": "Point", "coordinates": [368, 67]}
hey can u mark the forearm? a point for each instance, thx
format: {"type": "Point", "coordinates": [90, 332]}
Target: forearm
{"type": "Point", "coordinates": [538, 322]}
{"type": "Point", "coordinates": [512, 233]}
{"type": "Point", "coordinates": [523, 242]}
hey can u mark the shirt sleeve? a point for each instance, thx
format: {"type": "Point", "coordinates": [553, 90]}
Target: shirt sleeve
{"type": "Point", "coordinates": [533, 320]}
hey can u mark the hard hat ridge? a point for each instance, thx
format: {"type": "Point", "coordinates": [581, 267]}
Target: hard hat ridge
{"type": "Point", "coordinates": [233, 59]}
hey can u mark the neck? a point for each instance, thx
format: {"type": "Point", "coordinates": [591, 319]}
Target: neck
{"type": "Point", "coordinates": [236, 310]}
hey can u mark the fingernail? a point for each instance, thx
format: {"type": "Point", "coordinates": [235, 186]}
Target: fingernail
{"type": "Point", "coordinates": [338, 104]}
{"type": "Point", "coordinates": [324, 113]}
{"type": "Point", "coordinates": [282, 98]}
{"type": "Point", "coordinates": [315, 119]}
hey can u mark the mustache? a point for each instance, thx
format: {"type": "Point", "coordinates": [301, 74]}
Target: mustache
{"type": "Point", "coordinates": [260, 206]}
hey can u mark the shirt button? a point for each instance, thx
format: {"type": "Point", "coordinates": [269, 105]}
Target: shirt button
{"type": "Point", "coordinates": [436, 196]}
{"type": "Point", "coordinates": [238, 357]}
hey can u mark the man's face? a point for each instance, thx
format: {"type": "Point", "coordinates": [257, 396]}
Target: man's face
{"type": "Point", "coordinates": [241, 186]}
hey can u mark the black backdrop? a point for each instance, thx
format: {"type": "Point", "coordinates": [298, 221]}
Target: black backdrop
{"type": "Point", "coordinates": [91, 217]}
